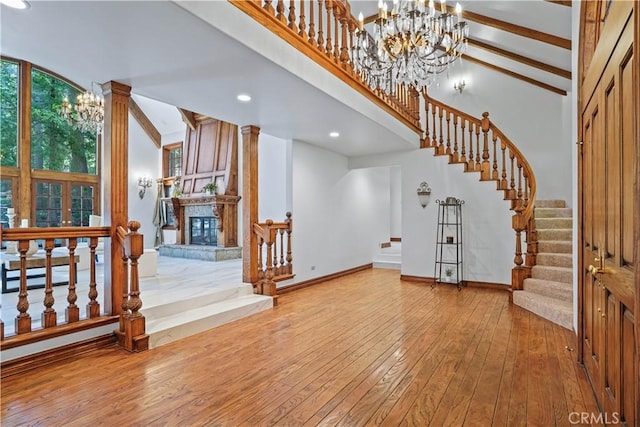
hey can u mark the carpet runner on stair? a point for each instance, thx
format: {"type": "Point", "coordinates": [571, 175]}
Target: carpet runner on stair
{"type": "Point", "coordinates": [549, 291]}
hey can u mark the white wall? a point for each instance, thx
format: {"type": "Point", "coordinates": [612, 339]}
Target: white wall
{"type": "Point", "coordinates": [340, 215]}
{"type": "Point", "coordinates": [144, 159]}
{"type": "Point", "coordinates": [395, 208]}
{"type": "Point", "coordinates": [272, 177]}
{"type": "Point", "coordinates": [534, 119]}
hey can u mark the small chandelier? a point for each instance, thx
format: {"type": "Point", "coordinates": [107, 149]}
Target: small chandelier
{"type": "Point", "coordinates": [412, 44]}
{"type": "Point", "coordinates": [88, 112]}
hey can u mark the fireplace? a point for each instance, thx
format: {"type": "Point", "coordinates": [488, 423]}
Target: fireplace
{"type": "Point", "coordinates": [203, 230]}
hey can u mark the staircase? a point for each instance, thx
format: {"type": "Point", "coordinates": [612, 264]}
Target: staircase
{"type": "Point", "coordinates": [188, 311]}
{"type": "Point", "coordinates": [549, 291]}
{"type": "Point", "coordinates": [389, 257]}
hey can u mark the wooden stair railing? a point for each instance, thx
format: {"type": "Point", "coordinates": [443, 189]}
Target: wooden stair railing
{"type": "Point", "coordinates": [28, 330]}
{"type": "Point", "coordinates": [324, 30]}
{"type": "Point", "coordinates": [483, 148]}
{"type": "Point", "coordinates": [131, 332]}
{"type": "Point", "coordinates": [274, 254]}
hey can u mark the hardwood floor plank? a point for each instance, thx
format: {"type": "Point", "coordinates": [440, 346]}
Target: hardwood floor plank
{"type": "Point", "coordinates": [365, 349]}
{"type": "Point", "coordinates": [539, 399]}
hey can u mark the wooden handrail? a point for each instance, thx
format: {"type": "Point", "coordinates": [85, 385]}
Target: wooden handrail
{"type": "Point", "coordinates": [482, 147]}
{"type": "Point", "coordinates": [275, 256]}
{"type": "Point", "coordinates": [328, 43]}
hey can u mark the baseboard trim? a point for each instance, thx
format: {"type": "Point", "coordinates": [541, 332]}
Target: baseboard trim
{"type": "Point", "coordinates": [47, 357]}
{"type": "Point", "coordinates": [470, 283]}
{"type": "Point", "coordinates": [317, 280]}
{"type": "Point", "coordinates": [396, 239]}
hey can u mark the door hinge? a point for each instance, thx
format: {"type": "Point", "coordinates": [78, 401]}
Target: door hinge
{"type": "Point", "coordinates": [579, 143]}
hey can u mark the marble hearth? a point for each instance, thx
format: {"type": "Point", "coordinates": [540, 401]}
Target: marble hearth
{"type": "Point", "coordinates": [203, 253]}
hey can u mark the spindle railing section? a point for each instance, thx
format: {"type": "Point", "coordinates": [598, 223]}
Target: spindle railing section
{"type": "Point", "coordinates": [482, 147]}
{"type": "Point", "coordinates": [275, 260]}
{"type": "Point", "coordinates": [324, 30]}
{"type": "Point", "coordinates": [41, 275]}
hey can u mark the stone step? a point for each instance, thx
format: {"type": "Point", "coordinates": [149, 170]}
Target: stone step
{"type": "Point", "coordinates": [554, 212]}
{"type": "Point", "coordinates": [554, 259]}
{"type": "Point", "coordinates": [555, 274]}
{"type": "Point", "coordinates": [555, 246]}
{"type": "Point", "coordinates": [553, 223]}
{"type": "Point", "coordinates": [555, 234]}
{"type": "Point", "coordinates": [186, 323]}
{"type": "Point", "coordinates": [559, 290]}
{"type": "Point", "coordinates": [557, 311]}
{"type": "Point", "coordinates": [181, 299]}
{"type": "Point", "coordinates": [551, 204]}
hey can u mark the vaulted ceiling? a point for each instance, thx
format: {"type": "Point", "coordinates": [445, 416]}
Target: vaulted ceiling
{"type": "Point", "coordinates": [172, 52]}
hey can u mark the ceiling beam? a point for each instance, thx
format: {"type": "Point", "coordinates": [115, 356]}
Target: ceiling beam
{"type": "Point", "coordinates": [562, 2]}
{"type": "Point", "coordinates": [522, 59]}
{"type": "Point", "coordinates": [504, 26]}
{"type": "Point", "coordinates": [516, 75]}
{"type": "Point", "coordinates": [188, 117]}
{"type": "Point", "coordinates": [145, 123]}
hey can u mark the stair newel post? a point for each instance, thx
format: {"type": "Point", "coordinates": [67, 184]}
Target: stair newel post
{"type": "Point", "coordinates": [520, 271]}
{"type": "Point", "coordinates": [134, 337]}
{"type": "Point", "coordinates": [93, 306]}
{"type": "Point", "coordinates": [72, 312]}
{"type": "Point", "coordinates": [292, 15]}
{"type": "Point", "coordinates": [485, 168]}
{"type": "Point", "coordinates": [532, 242]}
{"type": "Point", "coordinates": [494, 173]}
{"type": "Point", "coordinates": [23, 320]}
{"type": "Point", "coordinates": [289, 223]}
{"type": "Point", "coordinates": [456, 157]}
{"type": "Point", "coordinates": [49, 317]}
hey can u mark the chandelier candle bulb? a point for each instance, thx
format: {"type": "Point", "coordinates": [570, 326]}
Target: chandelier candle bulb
{"type": "Point", "coordinates": [360, 21]}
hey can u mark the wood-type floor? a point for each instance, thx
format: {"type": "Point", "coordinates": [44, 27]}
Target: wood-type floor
{"type": "Point", "coordinates": [365, 349]}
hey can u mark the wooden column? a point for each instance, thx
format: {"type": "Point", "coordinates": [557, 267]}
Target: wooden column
{"type": "Point", "coordinates": [24, 149]}
{"type": "Point", "coordinates": [249, 202]}
{"type": "Point", "coordinates": [115, 181]}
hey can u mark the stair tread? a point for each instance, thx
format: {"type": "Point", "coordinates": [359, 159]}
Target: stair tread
{"type": "Point", "coordinates": [550, 282]}
{"type": "Point", "coordinates": [198, 313]}
{"type": "Point", "coordinates": [553, 309]}
{"type": "Point", "coordinates": [553, 267]}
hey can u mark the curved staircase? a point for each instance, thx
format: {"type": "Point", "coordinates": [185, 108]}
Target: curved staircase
{"type": "Point", "coordinates": [549, 291]}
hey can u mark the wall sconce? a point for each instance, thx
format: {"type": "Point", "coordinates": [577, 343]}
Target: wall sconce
{"type": "Point", "coordinates": [424, 194]}
{"type": "Point", "coordinates": [144, 182]}
{"type": "Point", "coordinates": [459, 86]}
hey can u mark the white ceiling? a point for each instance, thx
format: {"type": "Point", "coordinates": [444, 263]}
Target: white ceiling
{"type": "Point", "coordinates": [171, 53]}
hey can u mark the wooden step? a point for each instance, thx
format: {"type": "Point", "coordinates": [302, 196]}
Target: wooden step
{"type": "Point", "coordinates": [551, 204]}
{"type": "Point", "coordinates": [554, 212]}
{"type": "Point", "coordinates": [555, 274]}
{"type": "Point", "coordinates": [555, 259]}
{"type": "Point", "coordinates": [558, 290]}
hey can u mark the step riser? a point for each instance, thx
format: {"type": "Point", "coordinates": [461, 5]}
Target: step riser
{"type": "Point", "coordinates": [557, 290]}
{"type": "Point", "coordinates": [551, 273]}
{"type": "Point", "coordinates": [550, 204]}
{"type": "Point", "coordinates": [554, 247]}
{"type": "Point", "coordinates": [553, 223]}
{"type": "Point", "coordinates": [180, 306]}
{"type": "Point", "coordinates": [555, 260]}
{"type": "Point", "coordinates": [553, 213]}
{"type": "Point", "coordinates": [165, 336]}
{"type": "Point", "coordinates": [561, 314]}
{"type": "Point", "coordinates": [556, 234]}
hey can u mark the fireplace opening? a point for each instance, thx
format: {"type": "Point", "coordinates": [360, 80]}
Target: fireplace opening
{"type": "Point", "coordinates": [203, 230]}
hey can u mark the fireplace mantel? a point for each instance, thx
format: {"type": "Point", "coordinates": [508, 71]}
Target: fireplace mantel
{"type": "Point", "coordinates": [224, 208]}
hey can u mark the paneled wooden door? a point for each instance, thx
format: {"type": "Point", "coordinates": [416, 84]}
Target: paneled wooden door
{"type": "Point", "coordinates": [608, 163]}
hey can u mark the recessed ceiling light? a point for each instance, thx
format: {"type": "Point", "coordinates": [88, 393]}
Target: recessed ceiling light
{"type": "Point", "coordinates": [334, 134]}
{"type": "Point", "coordinates": [243, 97]}
{"type": "Point", "coordinates": [16, 4]}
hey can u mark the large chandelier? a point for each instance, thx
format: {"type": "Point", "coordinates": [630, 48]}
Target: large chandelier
{"type": "Point", "coordinates": [87, 114]}
{"type": "Point", "coordinates": [412, 44]}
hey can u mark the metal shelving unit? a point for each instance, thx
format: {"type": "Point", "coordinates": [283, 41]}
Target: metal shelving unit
{"type": "Point", "coordinates": [449, 266]}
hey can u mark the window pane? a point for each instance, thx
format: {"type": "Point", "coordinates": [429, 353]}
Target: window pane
{"type": "Point", "coordinates": [48, 205]}
{"type": "Point", "coordinates": [8, 113]}
{"type": "Point", "coordinates": [56, 144]}
{"type": "Point", "coordinates": [6, 201]}
{"type": "Point", "coordinates": [81, 204]}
